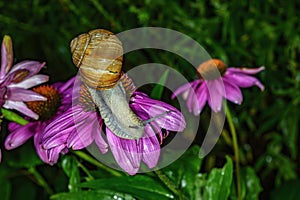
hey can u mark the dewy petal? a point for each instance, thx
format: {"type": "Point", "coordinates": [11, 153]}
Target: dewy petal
{"type": "Point", "coordinates": [6, 56]}
{"type": "Point", "coordinates": [243, 80]}
{"type": "Point", "coordinates": [21, 107]}
{"type": "Point", "coordinates": [20, 94]}
{"type": "Point", "coordinates": [245, 70]}
{"type": "Point", "coordinates": [216, 94]}
{"type": "Point", "coordinates": [126, 152]}
{"type": "Point", "coordinates": [19, 136]}
{"type": "Point", "coordinates": [233, 93]}
{"type": "Point", "coordinates": [31, 81]}
{"type": "Point", "coordinates": [150, 147]}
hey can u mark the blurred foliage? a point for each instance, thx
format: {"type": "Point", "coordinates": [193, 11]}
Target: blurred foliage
{"type": "Point", "coordinates": [242, 33]}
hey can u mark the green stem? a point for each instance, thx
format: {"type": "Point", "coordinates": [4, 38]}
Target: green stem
{"type": "Point", "coordinates": [168, 183]}
{"type": "Point", "coordinates": [235, 149]}
{"type": "Point", "coordinates": [95, 162]}
{"type": "Point", "coordinates": [86, 171]}
{"type": "Point", "coordinates": [41, 181]}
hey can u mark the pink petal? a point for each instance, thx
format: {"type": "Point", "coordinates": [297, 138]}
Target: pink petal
{"type": "Point", "coordinates": [164, 114]}
{"type": "Point", "coordinates": [53, 154]}
{"type": "Point", "coordinates": [20, 136]}
{"type": "Point", "coordinates": [150, 148]}
{"type": "Point", "coordinates": [181, 89]}
{"type": "Point", "coordinates": [21, 107]}
{"type": "Point", "coordinates": [81, 137]}
{"type": "Point", "coordinates": [216, 94]}
{"type": "Point", "coordinates": [126, 152]}
{"type": "Point", "coordinates": [31, 81]}
{"type": "Point", "coordinates": [20, 94]}
{"type": "Point", "coordinates": [49, 156]}
{"type": "Point", "coordinates": [243, 80]}
{"type": "Point", "coordinates": [233, 93]}
{"type": "Point", "coordinates": [100, 142]}
{"type": "Point", "coordinates": [202, 96]}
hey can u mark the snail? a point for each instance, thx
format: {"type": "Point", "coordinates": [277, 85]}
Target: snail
{"type": "Point", "coordinates": [99, 54]}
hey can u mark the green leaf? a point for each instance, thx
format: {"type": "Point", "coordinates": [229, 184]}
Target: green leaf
{"type": "Point", "coordinates": [12, 116]}
{"type": "Point", "coordinates": [289, 125]}
{"type": "Point", "coordinates": [143, 187]}
{"type": "Point", "coordinates": [70, 167]}
{"type": "Point", "coordinates": [287, 191]}
{"type": "Point", "coordinates": [91, 195]}
{"type": "Point", "coordinates": [251, 182]}
{"type": "Point", "coordinates": [5, 189]}
{"type": "Point", "coordinates": [24, 156]}
{"type": "Point", "coordinates": [159, 88]}
{"type": "Point", "coordinates": [219, 182]}
{"type": "Point", "coordinates": [183, 172]}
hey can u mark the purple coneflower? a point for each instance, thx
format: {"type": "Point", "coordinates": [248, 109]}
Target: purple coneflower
{"type": "Point", "coordinates": [213, 87]}
{"type": "Point", "coordinates": [59, 99]}
{"type": "Point", "coordinates": [15, 81]}
{"type": "Point", "coordinates": [82, 125]}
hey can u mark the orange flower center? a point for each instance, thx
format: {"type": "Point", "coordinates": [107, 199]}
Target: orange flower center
{"type": "Point", "coordinates": [209, 69]}
{"type": "Point", "coordinates": [45, 109]}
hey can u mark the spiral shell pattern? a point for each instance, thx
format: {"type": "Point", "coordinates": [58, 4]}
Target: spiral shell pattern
{"type": "Point", "coordinates": [99, 55]}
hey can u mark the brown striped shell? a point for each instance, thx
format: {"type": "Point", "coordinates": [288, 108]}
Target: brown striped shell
{"type": "Point", "coordinates": [99, 55]}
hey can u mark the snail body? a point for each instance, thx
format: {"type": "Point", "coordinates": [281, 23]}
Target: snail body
{"type": "Point", "coordinates": [98, 55]}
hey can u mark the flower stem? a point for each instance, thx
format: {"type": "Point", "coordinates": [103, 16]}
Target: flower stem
{"type": "Point", "coordinates": [95, 162]}
{"type": "Point", "coordinates": [169, 183]}
{"type": "Point", "coordinates": [41, 181]}
{"type": "Point", "coordinates": [235, 149]}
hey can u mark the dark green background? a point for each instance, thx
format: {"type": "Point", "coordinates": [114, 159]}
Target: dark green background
{"type": "Point", "coordinates": [242, 33]}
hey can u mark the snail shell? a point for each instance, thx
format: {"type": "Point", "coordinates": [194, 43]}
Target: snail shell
{"type": "Point", "coordinates": [99, 55]}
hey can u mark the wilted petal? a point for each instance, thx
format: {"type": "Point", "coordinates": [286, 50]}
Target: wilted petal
{"type": "Point", "coordinates": [233, 93]}
{"type": "Point", "coordinates": [245, 70]}
{"type": "Point", "coordinates": [216, 94]}
{"type": "Point", "coordinates": [33, 67]}
{"type": "Point", "coordinates": [19, 136]}
{"type": "Point", "coordinates": [31, 82]}
{"type": "Point", "coordinates": [126, 152]}
{"type": "Point", "coordinates": [150, 147]}
{"type": "Point", "coordinates": [20, 94]}
{"type": "Point", "coordinates": [243, 80]}
{"type": "Point", "coordinates": [6, 56]}
{"type": "Point", "coordinates": [21, 107]}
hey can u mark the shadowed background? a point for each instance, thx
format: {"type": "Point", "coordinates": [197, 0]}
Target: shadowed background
{"type": "Point", "coordinates": [240, 33]}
